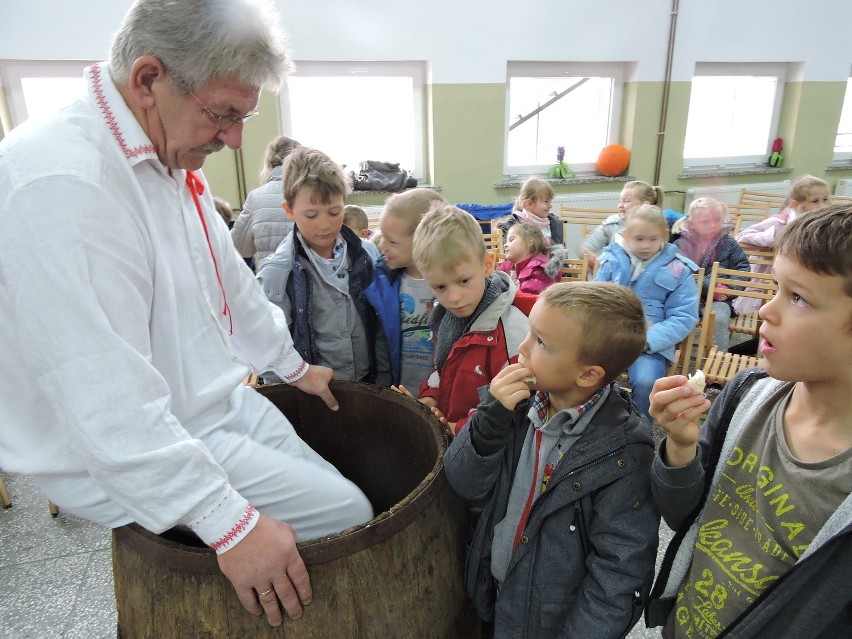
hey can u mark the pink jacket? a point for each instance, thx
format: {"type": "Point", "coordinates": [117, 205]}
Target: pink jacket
{"type": "Point", "coordinates": [764, 233]}
{"type": "Point", "coordinates": [532, 273]}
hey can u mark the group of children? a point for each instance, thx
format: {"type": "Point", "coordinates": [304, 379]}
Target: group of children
{"type": "Point", "coordinates": [557, 461]}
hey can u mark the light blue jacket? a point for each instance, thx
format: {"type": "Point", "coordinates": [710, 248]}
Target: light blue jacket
{"type": "Point", "coordinates": [667, 290]}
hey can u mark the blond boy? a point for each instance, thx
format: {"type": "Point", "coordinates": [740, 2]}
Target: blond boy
{"type": "Point", "coordinates": [761, 494]}
{"type": "Point", "coordinates": [320, 271]}
{"type": "Point", "coordinates": [477, 330]}
{"type": "Point", "coordinates": [400, 295]}
{"type": "Point", "coordinates": [566, 540]}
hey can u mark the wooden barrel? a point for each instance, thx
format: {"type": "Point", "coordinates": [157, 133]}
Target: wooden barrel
{"type": "Point", "coordinates": [398, 575]}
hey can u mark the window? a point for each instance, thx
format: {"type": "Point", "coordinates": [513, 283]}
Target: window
{"type": "Point", "coordinates": [733, 114]}
{"type": "Point", "coordinates": [357, 111]}
{"type": "Point", "coordinates": [843, 141]}
{"type": "Point", "coordinates": [36, 88]}
{"type": "Point", "coordinates": [553, 104]}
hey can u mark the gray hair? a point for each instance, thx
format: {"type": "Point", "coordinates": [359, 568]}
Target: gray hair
{"type": "Point", "coordinates": [200, 40]}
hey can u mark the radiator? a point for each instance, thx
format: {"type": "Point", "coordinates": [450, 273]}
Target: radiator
{"type": "Point", "coordinates": [730, 194]}
{"type": "Point", "coordinates": [844, 187]}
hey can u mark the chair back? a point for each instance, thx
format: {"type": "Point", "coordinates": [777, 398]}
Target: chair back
{"type": "Point", "coordinates": [761, 199]}
{"type": "Point", "coordinates": [759, 256]}
{"type": "Point", "coordinates": [743, 216]}
{"type": "Point", "coordinates": [494, 242]}
{"type": "Point", "coordinates": [686, 359]}
{"type": "Point", "coordinates": [575, 269]}
{"type": "Point", "coordinates": [720, 367]}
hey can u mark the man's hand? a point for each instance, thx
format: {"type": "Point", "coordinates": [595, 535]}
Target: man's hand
{"type": "Point", "coordinates": [508, 386]}
{"type": "Point", "coordinates": [315, 382]}
{"type": "Point", "coordinates": [675, 406]}
{"type": "Point", "coordinates": [265, 567]}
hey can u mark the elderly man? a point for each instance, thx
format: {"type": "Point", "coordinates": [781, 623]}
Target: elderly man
{"type": "Point", "coordinates": [129, 320]}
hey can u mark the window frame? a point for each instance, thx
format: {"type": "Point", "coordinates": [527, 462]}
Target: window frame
{"type": "Point", "coordinates": [415, 69]}
{"type": "Point", "coordinates": [780, 71]}
{"type": "Point", "coordinates": [618, 71]}
{"type": "Point", "coordinates": [843, 157]}
{"type": "Point", "coordinates": [12, 72]}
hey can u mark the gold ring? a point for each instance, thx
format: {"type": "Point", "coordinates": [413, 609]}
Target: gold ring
{"type": "Point", "coordinates": [264, 593]}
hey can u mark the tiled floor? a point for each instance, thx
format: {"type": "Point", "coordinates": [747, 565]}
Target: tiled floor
{"type": "Point", "coordinates": [56, 573]}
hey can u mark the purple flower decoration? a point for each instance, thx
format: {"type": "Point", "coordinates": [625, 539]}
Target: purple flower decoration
{"type": "Point", "coordinates": [560, 153]}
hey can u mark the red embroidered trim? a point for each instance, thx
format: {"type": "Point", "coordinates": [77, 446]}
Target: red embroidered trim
{"type": "Point", "coordinates": [236, 530]}
{"type": "Point", "coordinates": [103, 103]}
{"type": "Point", "coordinates": [292, 377]}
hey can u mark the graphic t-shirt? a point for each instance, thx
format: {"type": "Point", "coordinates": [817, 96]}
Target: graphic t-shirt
{"type": "Point", "coordinates": [759, 519]}
{"type": "Point", "coordinates": [416, 301]}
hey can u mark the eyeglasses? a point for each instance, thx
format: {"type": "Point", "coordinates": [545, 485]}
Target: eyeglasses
{"type": "Point", "coordinates": [224, 122]}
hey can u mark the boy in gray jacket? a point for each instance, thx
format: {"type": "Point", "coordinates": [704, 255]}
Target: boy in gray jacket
{"type": "Point", "coordinates": [565, 542]}
{"type": "Point", "coordinates": [320, 272]}
{"type": "Point", "coordinates": [760, 496]}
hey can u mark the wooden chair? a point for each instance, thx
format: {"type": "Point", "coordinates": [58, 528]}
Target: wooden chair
{"type": "Point", "coordinates": [5, 500]}
{"type": "Point", "coordinates": [494, 242]}
{"type": "Point", "coordinates": [761, 260]}
{"type": "Point", "coordinates": [743, 216]}
{"type": "Point", "coordinates": [760, 199]}
{"type": "Point", "coordinates": [759, 255]}
{"type": "Point", "coordinates": [685, 356]}
{"type": "Point", "coordinates": [575, 269]}
{"type": "Point", "coordinates": [719, 367]}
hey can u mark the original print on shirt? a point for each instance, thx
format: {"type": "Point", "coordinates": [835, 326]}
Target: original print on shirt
{"type": "Point", "coordinates": [761, 516]}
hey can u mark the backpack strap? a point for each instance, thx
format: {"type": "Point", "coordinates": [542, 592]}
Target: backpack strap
{"type": "Point", "coordinates": [657, 610]}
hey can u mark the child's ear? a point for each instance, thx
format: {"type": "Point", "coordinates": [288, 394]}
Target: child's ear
{"type": "Point", "coordinates": [591, 376]}
{"type": "Point", "coordinates": [490, 262]}
{"type": "Point", "coordinates": [287, 210]}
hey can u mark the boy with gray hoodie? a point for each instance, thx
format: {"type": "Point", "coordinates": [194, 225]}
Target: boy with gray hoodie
{"type": "Point", "coordinates": [760, 496]}
{"type": "Point", "coordinates": [558, 459]}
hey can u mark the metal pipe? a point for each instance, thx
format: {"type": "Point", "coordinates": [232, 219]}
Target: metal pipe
{"type": "Point", "coordinates": [558, 96]}
{"type": "Point", "coordinates": [664, 107]}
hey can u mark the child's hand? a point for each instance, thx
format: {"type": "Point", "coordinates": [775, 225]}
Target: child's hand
{"type": "Point", "coordinates": [431, 402]}
{"type": "Point", "coordinates": [402, 389]}
{"type": "Point", "coordinates": [508, 386]}
{"type": "Point", "coordinates": [450, 427]}
{"type": "Point", "coordinates": [675, 406]}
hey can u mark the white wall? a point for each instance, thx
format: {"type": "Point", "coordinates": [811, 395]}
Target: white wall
{"type": "Point", "coordinates": [469, 41]}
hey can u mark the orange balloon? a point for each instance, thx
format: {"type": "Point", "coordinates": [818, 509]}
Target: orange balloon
{"type": "Point", "coordinates": [613, 160]}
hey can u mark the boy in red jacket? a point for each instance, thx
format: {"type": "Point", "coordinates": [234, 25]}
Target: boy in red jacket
{"type": "Point", "coordinates": [477, 330]}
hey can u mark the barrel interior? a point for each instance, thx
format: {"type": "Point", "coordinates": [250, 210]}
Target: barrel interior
{"type": "Point", "coordinates": [384, 442]}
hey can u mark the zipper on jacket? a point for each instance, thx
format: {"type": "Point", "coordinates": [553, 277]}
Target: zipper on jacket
{"type": "Point", "coordinates": [585, 466]}
{"type": "Point", "coordinates": [581, 526]}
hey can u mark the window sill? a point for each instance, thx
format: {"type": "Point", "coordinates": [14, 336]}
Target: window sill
{"type": "Point", "coordinates": [516, 181]}
{"type": "Point", "coordinates": [715, 172]}
{"type": "Point", "coordinates": [419, 186]}
{"type": "Point", "coordinates": [839, 166]}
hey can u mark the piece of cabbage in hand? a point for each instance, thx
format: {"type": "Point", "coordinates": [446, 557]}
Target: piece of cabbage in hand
{"type": "Point", "coordinates": [697, 382]}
